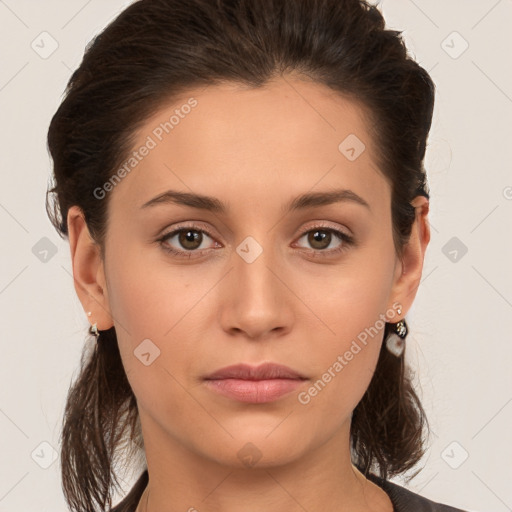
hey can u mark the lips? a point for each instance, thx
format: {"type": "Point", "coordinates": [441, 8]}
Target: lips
{"type": "Point", "coordinates": [264, 371]}
{"type": "Point", "coordinates": [244, 383]}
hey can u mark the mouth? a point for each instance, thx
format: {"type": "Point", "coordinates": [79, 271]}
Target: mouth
{"type": "Point", "coordinates": [264, 383]}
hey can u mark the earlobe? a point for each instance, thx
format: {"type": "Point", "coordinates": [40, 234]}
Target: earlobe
{"type": "Point", "coordinates": [409, 269]}
{"type": "Point", "coordinates": [88, 270]}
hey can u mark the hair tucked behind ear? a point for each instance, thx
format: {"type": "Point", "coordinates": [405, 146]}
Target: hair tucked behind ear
{"type": "Point", "coordinates": [155, 51]}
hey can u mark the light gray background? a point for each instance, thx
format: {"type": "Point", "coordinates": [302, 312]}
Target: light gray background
{"type": "Point", "coordinates": [460, 344]}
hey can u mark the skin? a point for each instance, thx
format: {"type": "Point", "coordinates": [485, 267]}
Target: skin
{"type": "Point", "coordinates": [254, 150]}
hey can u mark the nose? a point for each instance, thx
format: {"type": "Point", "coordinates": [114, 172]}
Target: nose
{"type": "Point", "coordinates": [256, 299]}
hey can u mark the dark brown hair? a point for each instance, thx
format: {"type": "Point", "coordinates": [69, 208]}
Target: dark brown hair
{"type": "Point", "coordinates": [156, 50]}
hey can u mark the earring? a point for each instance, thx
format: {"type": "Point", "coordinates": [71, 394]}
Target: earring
{"type": "Point", "coordinates": [93, 329]}
{"type": "Point", "coordinates": [395, 341]}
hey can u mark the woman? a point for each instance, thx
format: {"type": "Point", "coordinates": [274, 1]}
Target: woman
{"type": "Point", "coordinates": [242, 186]}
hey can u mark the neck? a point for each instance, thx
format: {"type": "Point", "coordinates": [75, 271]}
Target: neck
{"type": "Point", "coordinates": [324, 479]}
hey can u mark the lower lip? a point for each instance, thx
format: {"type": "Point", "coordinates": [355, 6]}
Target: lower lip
{"type": "Point", "coordinates": [254, 391]}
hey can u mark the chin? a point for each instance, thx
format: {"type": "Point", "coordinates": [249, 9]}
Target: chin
{"type": "Point", "coordinates": [257, 449]}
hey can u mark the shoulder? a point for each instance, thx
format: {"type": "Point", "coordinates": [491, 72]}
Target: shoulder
{"type": "Point", "coordinates": [405, 500]}
{"type": "Point", "coordinates": [130, 502]}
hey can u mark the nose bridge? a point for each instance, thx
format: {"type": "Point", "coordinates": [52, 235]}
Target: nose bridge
{"type": "Point", "coordinates": [253, 264]}
{"type": "Point", "coordinates": [257, 303]}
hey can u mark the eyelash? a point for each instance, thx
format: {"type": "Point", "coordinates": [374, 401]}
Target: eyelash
{"type": "Point", "coordinates": [347, 240]}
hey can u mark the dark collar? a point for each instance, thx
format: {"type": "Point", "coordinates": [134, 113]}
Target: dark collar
{"type": "Point", "coordinates": [405, 500]}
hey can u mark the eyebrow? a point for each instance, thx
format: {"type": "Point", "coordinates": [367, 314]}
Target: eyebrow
{"type": "Point", "coordinates": [309, 200]}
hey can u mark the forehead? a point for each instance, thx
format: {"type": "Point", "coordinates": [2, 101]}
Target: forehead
{"type": "Point", "coordinates": [228, 139]}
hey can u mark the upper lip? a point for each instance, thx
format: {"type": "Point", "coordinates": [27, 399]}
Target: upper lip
{"type": "Point", "coordinates": [262, 372]}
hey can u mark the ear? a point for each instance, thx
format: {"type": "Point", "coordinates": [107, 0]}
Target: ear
{"type": "Point", "coordinates": [88, 270]}
{"type": "Point", "coordinates": [408, 270]}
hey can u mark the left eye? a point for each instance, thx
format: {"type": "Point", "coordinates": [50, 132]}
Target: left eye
{"type": "Point", "coordinates": [188, 238]}
{"type": "Point", "coordinates": [321, 238]}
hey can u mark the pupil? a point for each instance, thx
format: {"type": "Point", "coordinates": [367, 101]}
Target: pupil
{"type": "Point", "coordinates": [321, 236]}
{"type": "Point", "coordinates": [189, 237]}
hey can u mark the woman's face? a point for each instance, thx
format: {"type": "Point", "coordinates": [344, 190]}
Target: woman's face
{"type": "Point", "coordinates": [253, 279]}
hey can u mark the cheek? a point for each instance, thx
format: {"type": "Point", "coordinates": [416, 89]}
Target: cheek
{"type": "Point", "coordinates": [155, 309]}
{"type": "Point", "coordinates": [348, 299]}
{"type": "Point", "coordinates": [351, 306]}
{"type": "Point", "coordinates": [139, 308]}
{"type": "Point", "coordinates": [148, 297]}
